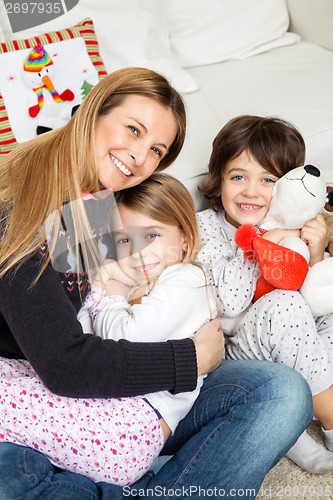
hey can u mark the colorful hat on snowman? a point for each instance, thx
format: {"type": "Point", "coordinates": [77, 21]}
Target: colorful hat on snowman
{"type": "Point", "coordinates": [37, 59]}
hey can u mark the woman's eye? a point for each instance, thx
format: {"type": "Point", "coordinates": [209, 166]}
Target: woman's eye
{"type": "Point", "coordinates": [268, 180]}
{"type": "Point", "coordinates": [134, 130]}
{"type": "Point", "coordinates": [237, 178]}
{"type": "Point", "coordinates": [157, 152]}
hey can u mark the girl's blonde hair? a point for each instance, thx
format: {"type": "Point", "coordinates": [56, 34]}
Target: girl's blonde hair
{"type": "Point", "coordinates": [165, 199]}
{"type": "Point", "coordinates": [38, 177]}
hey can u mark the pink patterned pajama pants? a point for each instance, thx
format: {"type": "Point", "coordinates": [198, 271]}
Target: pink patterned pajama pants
{"type": "Point", "coordinates": [112, 440]}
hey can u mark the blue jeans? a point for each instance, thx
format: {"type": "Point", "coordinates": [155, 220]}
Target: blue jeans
{"type": "Point", "coordinates": [247, 416]}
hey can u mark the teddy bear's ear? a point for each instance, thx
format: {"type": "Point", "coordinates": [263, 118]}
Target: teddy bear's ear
{"type": "Point", "coordinates": [329, 199]}
{"type": "Point", "coordinates": [328, 215]}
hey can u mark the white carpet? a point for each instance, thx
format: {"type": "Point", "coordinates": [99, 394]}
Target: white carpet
{"type": "Point", "coordinates": [286, 481]}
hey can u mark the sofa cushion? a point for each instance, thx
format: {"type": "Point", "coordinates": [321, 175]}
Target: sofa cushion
{"type": "Point", "coordinates": [130, 33]}
{"type": "Point", "coordinates": [294, 83]}
{"type": "Point", "coordinates": [218, 30]}
{"type": "Point", "coordinates": [71, 56]}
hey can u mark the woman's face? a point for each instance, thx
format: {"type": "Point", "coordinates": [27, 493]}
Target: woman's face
{"type": "Point", "coordinates": [131, 140]}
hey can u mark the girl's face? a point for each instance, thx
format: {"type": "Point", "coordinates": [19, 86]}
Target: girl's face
{"type": "Point", "coordinates": [131, 140]}
{"type": "Point", "coordinates": [145, 247]}
{"type": "Point", "coordinates": [246, 190]}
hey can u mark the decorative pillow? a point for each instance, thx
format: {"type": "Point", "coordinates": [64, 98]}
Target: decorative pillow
{"type": "Point", "coordinates": [42, 78]}
{"type": "Point", "coordinates": [219, 30]}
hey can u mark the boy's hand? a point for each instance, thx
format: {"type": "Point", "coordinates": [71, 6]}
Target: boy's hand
{"type": "Point", "coordinates": [314, 233]}
{"type": "Point", "coordinates": [277, 235]}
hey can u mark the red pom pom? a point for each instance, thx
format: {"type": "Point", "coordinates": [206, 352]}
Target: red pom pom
{"type": "Point", "coordinates": [245, 235]}
{"type": "Point", "coordinates": [244, 238]}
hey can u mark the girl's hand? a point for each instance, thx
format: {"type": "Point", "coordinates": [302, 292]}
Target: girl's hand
{"type": "Point", "coordinates": [277, 235]}
{"type": "Point", "coordinates": [314, 233]}
{"type": "Point", "coordinates": [113, 287]}
{"type": "Point", "coordinates": [209, 345]}
{"type": "Point", "coordinates": [110, 270]}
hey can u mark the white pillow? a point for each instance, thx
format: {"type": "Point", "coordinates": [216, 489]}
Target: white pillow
{"type": "Point", "coordinates": [210, 31]}
{"type": "Point", "coordinates": [129, 32]}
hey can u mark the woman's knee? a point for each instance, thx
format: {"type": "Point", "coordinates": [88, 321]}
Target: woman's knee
{"type": "Point", "coordinates": [241, 381]}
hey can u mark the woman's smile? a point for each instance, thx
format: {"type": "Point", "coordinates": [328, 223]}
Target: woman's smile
{"type": "Point", "coordinates": [120, 166]}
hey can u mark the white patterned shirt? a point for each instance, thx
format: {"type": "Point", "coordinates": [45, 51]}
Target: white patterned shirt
{"type": "Point", "coordinates": [234, 277]}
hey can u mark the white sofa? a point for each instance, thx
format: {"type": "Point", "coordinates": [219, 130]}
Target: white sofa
{"type": "Point", "coordinates": [293, 82]}
{"type": "Point", "coordinates": [226, 57]}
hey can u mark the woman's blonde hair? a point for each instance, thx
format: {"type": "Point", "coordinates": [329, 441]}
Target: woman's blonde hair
{"type": "Point", "coordinates": [38, 177]}
{"type": "Point", "coordinates": [165, 199]}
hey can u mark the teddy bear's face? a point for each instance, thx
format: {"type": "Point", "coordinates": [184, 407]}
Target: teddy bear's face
{"type": "Point", "coordinates": [297, 197]}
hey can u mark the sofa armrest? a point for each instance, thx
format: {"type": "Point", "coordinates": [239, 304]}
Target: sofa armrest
{"type": "Point", "coordinates": [312, 20]}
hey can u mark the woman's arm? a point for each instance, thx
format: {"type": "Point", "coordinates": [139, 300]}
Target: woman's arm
{"type": "Point", "coordinates": [44, 325]}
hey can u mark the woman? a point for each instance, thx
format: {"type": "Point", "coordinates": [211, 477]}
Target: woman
{"type": "Point", "coordinates": [131, 124]}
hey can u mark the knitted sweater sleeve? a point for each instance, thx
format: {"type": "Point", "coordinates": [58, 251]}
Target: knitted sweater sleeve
{"type": "Point", "coordinates": [43, 322]}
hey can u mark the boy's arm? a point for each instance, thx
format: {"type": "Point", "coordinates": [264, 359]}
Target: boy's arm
{"type": "Point", "coordinates": [314, 233]}
{"type": "Point", "coordinates": [233, 276]}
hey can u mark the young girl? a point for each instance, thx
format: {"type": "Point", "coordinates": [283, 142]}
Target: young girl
{"type": "Point", "coordinates": [249, 154]}
{"type": "Point", "coordinates": [156, 244]}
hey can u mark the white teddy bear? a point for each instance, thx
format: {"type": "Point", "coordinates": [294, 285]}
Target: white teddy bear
{"type": "Point", "coordinates": [297, 197]}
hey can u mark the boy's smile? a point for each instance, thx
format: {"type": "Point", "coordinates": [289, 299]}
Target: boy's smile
{"type": "Point", "coordinates": [246, 190]}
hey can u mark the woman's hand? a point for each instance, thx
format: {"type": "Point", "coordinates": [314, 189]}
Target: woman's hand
{"type": "Point", "coordinates": [209, 345]}
{"type": "Point", "coordinates": [314, 233]}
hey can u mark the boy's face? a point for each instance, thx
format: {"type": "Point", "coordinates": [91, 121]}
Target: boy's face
{"type": "Point", "coordinates": [145, 247]}
{"type": "Point", "coordinates": [246, 190]}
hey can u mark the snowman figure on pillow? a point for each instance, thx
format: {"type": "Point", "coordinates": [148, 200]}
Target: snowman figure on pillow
{"type": "Point", "coordinates": [297, 197]}
{"type": "Point", "coordinates": [52, 108]}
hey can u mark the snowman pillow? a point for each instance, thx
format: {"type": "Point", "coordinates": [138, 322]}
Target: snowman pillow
{"type": "Point", "coordinates": [43, 78]}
